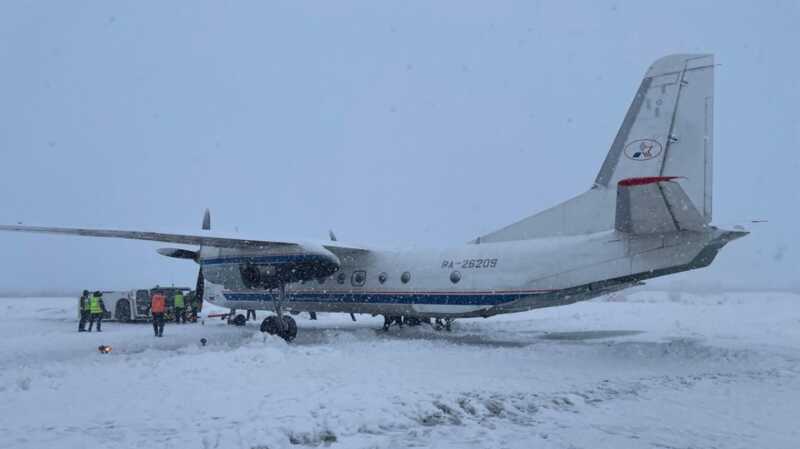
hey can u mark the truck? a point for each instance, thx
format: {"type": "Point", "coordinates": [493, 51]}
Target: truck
{"type": "Point", "coordinates": [134, 305]}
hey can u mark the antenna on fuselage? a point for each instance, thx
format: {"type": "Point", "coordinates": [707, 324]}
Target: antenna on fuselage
{"type": "Point", "coordinates": [331, 235]}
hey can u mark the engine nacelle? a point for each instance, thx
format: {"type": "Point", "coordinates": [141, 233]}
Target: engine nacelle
{"type": "Point", "coordinates": [237, 268]}
{"type": "Point", "coordinates": [271, 271]}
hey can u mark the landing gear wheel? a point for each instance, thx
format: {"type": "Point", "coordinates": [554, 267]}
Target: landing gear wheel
{"type": "Point", "coordinates": [289, 328]}
{"type": "Point", "coordinates": [410, 321]}
{"type": "Point", "coordinates": [239, 320]}
{"type": "Point", "coordinates": [413, 321]}
{"type": "Point", "coordinates": [271, 326]}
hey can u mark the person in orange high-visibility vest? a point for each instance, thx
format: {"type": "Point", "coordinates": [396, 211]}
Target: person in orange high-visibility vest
{"type": "Point", "coordinates": [158, 305]}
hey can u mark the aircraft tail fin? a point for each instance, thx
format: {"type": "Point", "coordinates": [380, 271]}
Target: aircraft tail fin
{"type": "Point", "coordinates": [667, 131]}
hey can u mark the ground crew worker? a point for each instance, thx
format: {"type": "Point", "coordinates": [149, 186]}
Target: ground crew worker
{"type": "Point", "coordinates": [194, 306]}
{"type": "Point", "coordinates": [158, 305]}
{"type": "Point", "coordinates": [96, 310]}
{"type": "Point", "coordinates": [179, 307]}
{"type": "Point", "coordinates": [251, 312]}
{"type": "Point", "coordinates": [84, 309]}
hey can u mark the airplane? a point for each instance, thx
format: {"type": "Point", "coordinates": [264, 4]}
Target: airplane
{"type": "Point", "coordinates": [647, 214]}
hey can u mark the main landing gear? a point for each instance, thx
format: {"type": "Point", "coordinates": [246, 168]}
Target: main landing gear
{"type": "Point", "coordinates": [279, 324]}
{"type": "Point", "coordinates": [446, 324]}
{"type": "Point", "coordinates": [438, 323]}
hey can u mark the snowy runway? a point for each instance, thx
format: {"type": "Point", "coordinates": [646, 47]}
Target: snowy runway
{"type": "Point", "coordinates": [649, 369]}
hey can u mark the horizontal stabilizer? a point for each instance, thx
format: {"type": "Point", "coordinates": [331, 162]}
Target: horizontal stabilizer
{"type": "Point", "coordinates": [653, 205]}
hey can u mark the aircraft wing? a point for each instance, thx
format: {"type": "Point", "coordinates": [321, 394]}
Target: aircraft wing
{"type": "Point", "coordinates": [205, 239]}
{"type": "Point", "coordinates": [186, 239]}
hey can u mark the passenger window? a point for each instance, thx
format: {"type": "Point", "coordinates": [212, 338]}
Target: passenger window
{"type": "Point", "coordinates": [405, 277]}
{"type": "Point", "coordinates": [358, 278]}
{"type": "Point", "coordinates": [382, 278]}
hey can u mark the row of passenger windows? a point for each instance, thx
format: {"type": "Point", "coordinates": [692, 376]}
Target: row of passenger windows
{"type": "Point", "coordinates": [359, 278]}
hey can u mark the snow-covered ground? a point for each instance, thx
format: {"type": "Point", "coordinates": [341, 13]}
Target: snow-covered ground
{"type": "Point", "coordinates": [646, 369]}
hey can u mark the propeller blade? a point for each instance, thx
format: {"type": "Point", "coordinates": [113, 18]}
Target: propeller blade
{"type": "Point", "coordinates": [207, 220]}
{"type": "Point", "coordinates": [199, 289]}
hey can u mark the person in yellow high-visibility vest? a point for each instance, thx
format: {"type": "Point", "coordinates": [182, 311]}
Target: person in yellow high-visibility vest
{"type": "Point", "coordinates": [96, 310]}
{"type": "Point", "coordinates": [179, 307]}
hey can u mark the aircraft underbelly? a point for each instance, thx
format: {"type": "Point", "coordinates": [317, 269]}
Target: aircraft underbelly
{"type": "Point", "coordinates": [445, 309]}
{"type": "Point", "coordinates": [432, 310]}
{"type": "Point", "coordinates": [442, 304]}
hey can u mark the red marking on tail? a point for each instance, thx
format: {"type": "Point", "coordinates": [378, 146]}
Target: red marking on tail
{"type": "Point", "coordinates": [646, 180]}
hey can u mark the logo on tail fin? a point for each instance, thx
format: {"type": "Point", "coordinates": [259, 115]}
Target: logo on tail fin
{"type": "Point", "coordinates": [643, 149]}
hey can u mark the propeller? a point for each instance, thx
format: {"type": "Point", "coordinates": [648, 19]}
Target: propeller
{"type": "Point", "coordinates": [179, 253]}
{"type": "Point", "coordinates": [200, 287]}
{"type": "Point", "coordinates": [207, 220]}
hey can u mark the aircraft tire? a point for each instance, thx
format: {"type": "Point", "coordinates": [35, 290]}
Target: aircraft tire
{"type": "Point", "coordinates": [239, 320]}
{"type": "Point", "coordinates": [270, 325]}
{"type": "Point", "coordinates": [412, 321]}
{"type": "Point", "coordinates": [290, 328]}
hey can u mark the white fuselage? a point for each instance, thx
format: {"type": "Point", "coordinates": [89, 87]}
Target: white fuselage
{"type": "Point", "coordinates": [469, 280]}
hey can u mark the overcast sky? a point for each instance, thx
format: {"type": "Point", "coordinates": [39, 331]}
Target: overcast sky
{"type": "Point", "coordinates": [394, 123]}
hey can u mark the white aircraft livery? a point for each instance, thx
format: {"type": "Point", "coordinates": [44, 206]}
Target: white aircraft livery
{"type": "Point", "coordinates": [647, 214]}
